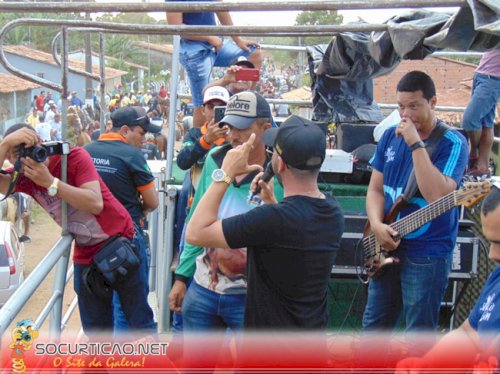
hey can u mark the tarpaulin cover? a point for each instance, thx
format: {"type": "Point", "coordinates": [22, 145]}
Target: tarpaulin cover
{"type": "Point", "coordinates": [342, 72]}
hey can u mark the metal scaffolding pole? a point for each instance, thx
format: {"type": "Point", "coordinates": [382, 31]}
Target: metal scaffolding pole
{"type": "Point", "coordinates": [199, 7]}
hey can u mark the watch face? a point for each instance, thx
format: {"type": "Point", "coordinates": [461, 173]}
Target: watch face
{"type": "Point", "coordinates": [218, 174]}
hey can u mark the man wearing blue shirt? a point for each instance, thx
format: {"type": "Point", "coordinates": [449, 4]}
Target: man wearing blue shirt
{"type": "Point", "coordinates": [200, 53]}
{"type": "Point", "coordinates": [414, 288]}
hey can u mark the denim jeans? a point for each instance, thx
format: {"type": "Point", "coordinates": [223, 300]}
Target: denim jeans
{"type": "Point", "coordinates": [96, 314]}
{"type": "Point", "coordinates": [198, 59]}
{"type": "Point", "coordinates": [205, 310]}
{"type": "Point", "coordinates": [414, 288]}
{"type": "Point", "coordinates": [480, 111]}
{"type": "Point", "coordinates": [121, 323]}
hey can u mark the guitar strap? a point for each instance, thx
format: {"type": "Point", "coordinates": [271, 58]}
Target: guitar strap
{"type": "Point", "coordinates": [439, 131]}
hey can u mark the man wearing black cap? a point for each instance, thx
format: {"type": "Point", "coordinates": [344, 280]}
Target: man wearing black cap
{"type": "Point", "coordinates": [122, 167]}
{"type": "Point", "coordinates": [220, 276]}
{"type": "Point", "coordinates": [291, 245]}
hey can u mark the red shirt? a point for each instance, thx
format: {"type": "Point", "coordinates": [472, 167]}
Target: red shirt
{"type": "Point", "coordinates": [40, 103]}
{"type": "Point", "coordinates": [89, 230]}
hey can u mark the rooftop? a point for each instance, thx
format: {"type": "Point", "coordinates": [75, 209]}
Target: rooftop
{"type": "Point", "coordinates": [33, 54]}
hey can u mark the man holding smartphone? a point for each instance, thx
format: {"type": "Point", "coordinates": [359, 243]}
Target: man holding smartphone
{"type": "Point", "coordinates": [240, 76]}
{"type": "Point", "coordinates": [200, 53]}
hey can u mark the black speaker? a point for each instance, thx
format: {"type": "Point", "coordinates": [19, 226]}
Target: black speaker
{"type": "Point", "coordinates": [350, 136]}
{"type": "Point", "coordinates": [349, 261]}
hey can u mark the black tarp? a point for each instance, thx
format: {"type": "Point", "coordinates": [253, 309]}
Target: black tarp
{"type": "Point", "coordinates": [342, 72]}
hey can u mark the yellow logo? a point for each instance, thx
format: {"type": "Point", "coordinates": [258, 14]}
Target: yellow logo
{"type": "Point", "coordinates": [23, 336]}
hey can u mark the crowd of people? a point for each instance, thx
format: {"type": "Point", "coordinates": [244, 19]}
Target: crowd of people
{"type": "Point", "coordinates": [255, 235]}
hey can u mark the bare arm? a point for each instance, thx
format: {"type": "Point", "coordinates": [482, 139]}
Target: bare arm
{"type": "Point", "coordinates": [86, 197]}
{"type": "Point", "coordinates": [457, 349]}
{"type": "Point", "coordinates": [149, 199]}
{"type": "Point", "coordinates": [225, 19]}
{"type": "Point", "coordinates": [431, 182]}
{"type": "Point", "coordinates": [375, 211]}
{"type": "Point", "coordinates": [9, 145]}
{"type": "Point", "coordinates": [204, 229]}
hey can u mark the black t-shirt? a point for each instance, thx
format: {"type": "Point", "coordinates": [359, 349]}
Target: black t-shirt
{"type": "Point", "coordinates": [291, 248]}
{"type": "Point", "coordinates": [124, 170]}
{"type": "Point", "coordinates": [150, 151]}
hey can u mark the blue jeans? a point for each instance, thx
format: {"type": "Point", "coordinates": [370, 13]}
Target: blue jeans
{"type": "Point", "coordinates": [480, 111]}
{"type": "Point", "coordinates": [198, 59]}
{"type": "Point", "coordinates": [205, 310]}
{"type": "Point", "coordinates": [414, 288]}
{"type": "Point", "coordinates": [96, 314]}
{"type": "Point", "coordinates": [120, 320]}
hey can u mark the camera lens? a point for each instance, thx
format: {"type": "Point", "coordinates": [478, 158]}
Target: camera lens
{"type": "Point", "coordinates": [39, 154]}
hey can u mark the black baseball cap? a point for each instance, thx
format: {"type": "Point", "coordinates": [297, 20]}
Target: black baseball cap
{"type": "Point", "coordinates": [301, 143]}
{"type": "Point", "coordinates": [242, 61]}
{"type": "Point", "coordinates": [244, 108]}
{"type": "Point", "coordinates": [133, 116]}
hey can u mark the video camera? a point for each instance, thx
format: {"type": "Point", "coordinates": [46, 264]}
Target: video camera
{"type": "Point", "coordinates": [39, 153]}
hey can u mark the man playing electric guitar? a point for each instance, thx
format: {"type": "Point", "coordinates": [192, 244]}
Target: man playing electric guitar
{"type": "Point", "coordinates": [415, 287]}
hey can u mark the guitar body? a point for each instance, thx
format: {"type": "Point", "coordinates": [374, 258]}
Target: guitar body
{"type": "Point", "coordinates": [375, 256]}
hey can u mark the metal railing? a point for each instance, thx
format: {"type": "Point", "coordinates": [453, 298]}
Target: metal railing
{"type": "Point", "coordinates": [165, 215]}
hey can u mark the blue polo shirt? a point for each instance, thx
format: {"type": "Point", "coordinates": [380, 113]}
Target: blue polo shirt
{"type": "Point", "coordinates": [393, 159]}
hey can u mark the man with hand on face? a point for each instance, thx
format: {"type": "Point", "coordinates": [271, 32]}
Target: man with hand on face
{"type": "Point", "coordinates": [121, 165]}
{"type": "Point", "coordinates": [415, 287]}
{"type": "Point", "coordinates": [94, 216]}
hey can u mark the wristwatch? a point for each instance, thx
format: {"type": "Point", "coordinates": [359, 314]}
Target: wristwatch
{"type": "Point", "coordinates": [416, 145]}
{"type": "Point", "coordinates": [219, 175]}
{"type": "Point", "coordinates": [52, 190]}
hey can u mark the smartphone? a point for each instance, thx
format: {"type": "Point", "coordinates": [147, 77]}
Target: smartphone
{"type": "Point", "coordinates": [219, 114]}
{"type": "Point", "coordinates": [248, 75]}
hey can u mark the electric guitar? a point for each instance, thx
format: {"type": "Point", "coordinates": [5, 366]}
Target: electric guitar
{"type": "Point", "coordinates": [376, 257]}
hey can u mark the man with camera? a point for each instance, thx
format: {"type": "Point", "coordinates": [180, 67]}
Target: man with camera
{"type": "Point", "coordinates": [94, 218]}
{"type": "Point", "coordinates": [122, 167]}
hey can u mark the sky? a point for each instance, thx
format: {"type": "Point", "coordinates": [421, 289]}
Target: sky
{"type": "Point", "coordinates": [286, 18]}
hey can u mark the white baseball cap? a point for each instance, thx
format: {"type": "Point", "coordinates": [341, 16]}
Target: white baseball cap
{"type": "Point", "coordinates": [216, 93]}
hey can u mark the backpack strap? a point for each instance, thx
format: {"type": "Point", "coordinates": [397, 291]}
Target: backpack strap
{"type": "Point", "coordinates": [436, 135]}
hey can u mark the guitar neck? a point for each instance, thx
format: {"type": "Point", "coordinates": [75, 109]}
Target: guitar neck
{"type": "Point", "coordinates": [420, 217]}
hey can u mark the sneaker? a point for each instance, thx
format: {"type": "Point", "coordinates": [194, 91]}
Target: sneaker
{"type": "Point", "coordinates": [25, 239]}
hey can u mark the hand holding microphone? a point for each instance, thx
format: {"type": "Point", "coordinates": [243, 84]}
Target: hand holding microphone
{"type": "Point", "coordinates": [265, 177]}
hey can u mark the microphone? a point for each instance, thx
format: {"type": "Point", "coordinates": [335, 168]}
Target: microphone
{"type": "Point", "coordinates": [266, 177]}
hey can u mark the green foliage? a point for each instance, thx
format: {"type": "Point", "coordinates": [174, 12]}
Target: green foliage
{"type": "Point", "coordinates": [315, 18]}
{"type": "Point", "coordinates": [38, 37]}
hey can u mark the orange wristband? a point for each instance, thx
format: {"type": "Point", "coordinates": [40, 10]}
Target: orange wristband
{"type": "Point", "coordinates": [204, 143]}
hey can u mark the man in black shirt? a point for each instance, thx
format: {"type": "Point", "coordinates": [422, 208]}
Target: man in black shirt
{"type": "Point", "coordinates": [291, 245]}
{"type": "Point", "coordinates": [122, 167]}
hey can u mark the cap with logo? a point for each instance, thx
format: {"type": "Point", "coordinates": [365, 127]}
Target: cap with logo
{"type": "Point", "coordinates": [242, 61]}
{"type": "Point", "coordinates": [133, 116]}
{"type": "Point", "coordinates": [301, 143]}
{"type": "Point", "coordinates": [216, 93]}
{"type": "Point", "coordinates": [244, 108]}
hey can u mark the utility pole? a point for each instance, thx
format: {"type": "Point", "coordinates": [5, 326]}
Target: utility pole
{"type": "Point", "coordinates": [89, 92]}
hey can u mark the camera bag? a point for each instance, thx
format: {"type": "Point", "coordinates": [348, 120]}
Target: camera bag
{"type": "Point", "coordinates": [113, 263]}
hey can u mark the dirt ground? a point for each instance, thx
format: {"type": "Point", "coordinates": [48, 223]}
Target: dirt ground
{"type": "Point", "coordinates": [44, 234]}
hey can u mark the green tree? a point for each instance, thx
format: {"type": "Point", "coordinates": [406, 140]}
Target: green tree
{"type": "Point", "coordinates": [315, 18]}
